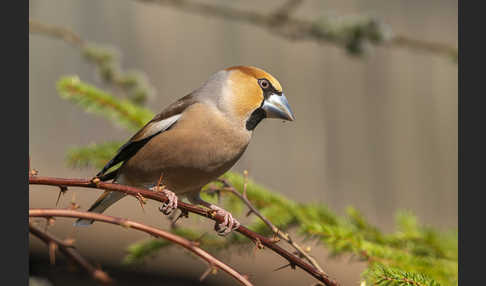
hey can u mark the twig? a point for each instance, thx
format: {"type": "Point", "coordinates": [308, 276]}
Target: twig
{"type": "Point", "coordinates": [280, 22]}
{"type": "Point", "coordinates": [189, 208]}
{"type": "Point", "coordinates": [285, 236]}
{"type": "Point", "coordinates": [211, 260]}
{"type": "Point", "coordinates": [296, 29]}
{"type": "Point", "coordinates": [286, 10]}
{"type": "Point", "coordinates": [57, 32]}
{"type": "Point", "coordinates": [68, 250]}
{"type": "Point", "coordinates": [134, 84]}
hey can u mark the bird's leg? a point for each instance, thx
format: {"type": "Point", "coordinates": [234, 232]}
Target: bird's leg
{"type": "Point", "coordinates": [169, 206]}
{"type": "Point", "coordinates": [229, 222]}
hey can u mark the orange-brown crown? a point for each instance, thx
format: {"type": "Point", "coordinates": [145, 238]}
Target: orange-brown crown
{"type": "Point", "coordinates": [257, 74]}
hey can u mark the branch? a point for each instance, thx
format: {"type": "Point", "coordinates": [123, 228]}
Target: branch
{"type": "Point", "coordinates": [65, 34]}
{"type": "Point", "coordinates": [287, 9]}
{"type": "Point", "coordinates": [285, 236]}
{"type": "Point", "coordinates": [158, 196]}
{"type": "Point", "coordinates": [71, 253]}
{"type": "Point", "coordinates": [107, 61]}
{"type": "Point", "coordinates": [352, 36]}
{"type": "Point", "coordinates": [189, 245]}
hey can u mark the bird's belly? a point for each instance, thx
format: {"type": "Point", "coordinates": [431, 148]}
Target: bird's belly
{"type": "Point", "coordinates": [183, 169]}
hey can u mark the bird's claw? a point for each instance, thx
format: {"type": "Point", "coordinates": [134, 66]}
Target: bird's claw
{"type": "Point", "coordinates": [169, 206]}
{"type": "Point", "coordinates": [229, 224]}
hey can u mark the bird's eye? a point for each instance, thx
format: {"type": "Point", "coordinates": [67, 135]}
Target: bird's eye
{"type": "Point", "coordinates": [264, 83]}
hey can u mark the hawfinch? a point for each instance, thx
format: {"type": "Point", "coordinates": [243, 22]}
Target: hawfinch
{"type": "Point", "coordinates": [197, 139]}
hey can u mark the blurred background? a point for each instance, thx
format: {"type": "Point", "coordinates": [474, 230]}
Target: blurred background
{"type": "Point", "coordinates": [377, 132]}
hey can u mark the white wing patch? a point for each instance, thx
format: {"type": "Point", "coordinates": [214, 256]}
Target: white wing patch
{"type": "Point", "coordinates": [160, 126]}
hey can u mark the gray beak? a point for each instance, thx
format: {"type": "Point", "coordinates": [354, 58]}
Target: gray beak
{"type": "Point", "coordinates": [277, 106]}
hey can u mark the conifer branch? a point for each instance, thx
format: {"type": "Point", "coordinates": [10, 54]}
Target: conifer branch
{"type": "Point", "coordinates": [92, 99]}
{"type": "Point", "coordinates": [189, 245]}
{"type": "Point", "coordinates": [386, 276]}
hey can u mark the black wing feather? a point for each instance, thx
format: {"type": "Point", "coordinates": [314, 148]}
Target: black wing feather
{"type": "Point", "coordinates": [125, 152]}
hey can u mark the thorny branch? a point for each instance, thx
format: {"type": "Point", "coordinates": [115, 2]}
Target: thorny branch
{"type": "Point", "coordinates": [281, 234]}
{"type": "Point", "coordinates": [189, 245]}
{"type": "Point", "coordinates": [158, 196]}
{"type": "Point", "coordinates": [68, 250]}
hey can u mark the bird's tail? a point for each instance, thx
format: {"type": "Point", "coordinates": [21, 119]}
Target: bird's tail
{"type": "Point", "coordinates": [100, 205]}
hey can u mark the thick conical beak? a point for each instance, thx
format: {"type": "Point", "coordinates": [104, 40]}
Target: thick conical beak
{"type": "Point", "coordinates": [277, 106]}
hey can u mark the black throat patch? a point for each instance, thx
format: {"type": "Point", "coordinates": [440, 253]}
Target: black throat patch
{"type": "Point", "coordinates": [255, 118]}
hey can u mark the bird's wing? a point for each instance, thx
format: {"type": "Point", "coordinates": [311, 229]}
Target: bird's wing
{"type": "Point", "coordinates": [160, 123]}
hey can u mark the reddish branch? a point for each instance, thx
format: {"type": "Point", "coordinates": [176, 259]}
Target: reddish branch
{"type": "Point", "coordinates": [69, 251]}
{"type": "Point", "coordinates": [191, 246]}
{"type": "Point", "coordinates": [158, 196]}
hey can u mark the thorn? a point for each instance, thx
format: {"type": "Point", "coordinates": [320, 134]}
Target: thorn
{"type": "Point", "coordinates": [211, 270]}
{"type": "Point", "coordinates": [124, 223]}
{"type": "Point", "coordinates": [69, 242]}
{"type": "Point", "coordinates": [211, 213]}
{"type": "Point", "coordinates": [74, 206]}
{"type": "Point", "coordinates": [73, 198]}
{"type": "Point", "coordinates": [160, 179]}
{"type": "Point", "coordinates": [52, 252]}
{"type": "Point", "coordinates": [102, 276]}
{"type": "Point", "coordinates": [258, 245]}
{"type": "Point", "coordinates": [249, 213]}
{"type": "Point", "coordinates": [282, 267]}
{"type": "Point", "coordinates": [62, 190]}
{"type": "Point", "coordinates": [199, 239]}
{"type": "Point", "coordinates": [158, 188]}
{"type": "Point", "coordinates": [141, 200]}
{"type": "Point", "coordinates": [32, 172]}
{"type": "Point", "coordinates": [275, 238]}
{"type": "Point", "coordinates": [49, 221]}
{"type": "Point", "coordinates": [298, 254]}
{"type": "Point", "coordinates": [184, 213]}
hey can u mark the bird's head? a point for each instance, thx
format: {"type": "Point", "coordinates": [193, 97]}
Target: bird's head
{"type": "Point", "coordinates": [250, 94]}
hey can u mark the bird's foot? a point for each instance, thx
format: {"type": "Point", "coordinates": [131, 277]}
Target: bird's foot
{"type": "Point", "coordinates": [229, 224]}
{"type": "Point", "coordinates": [169, 206]}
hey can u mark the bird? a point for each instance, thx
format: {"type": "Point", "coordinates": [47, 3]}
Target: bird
{"type": "Point", "coordinates": [196, 139]}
